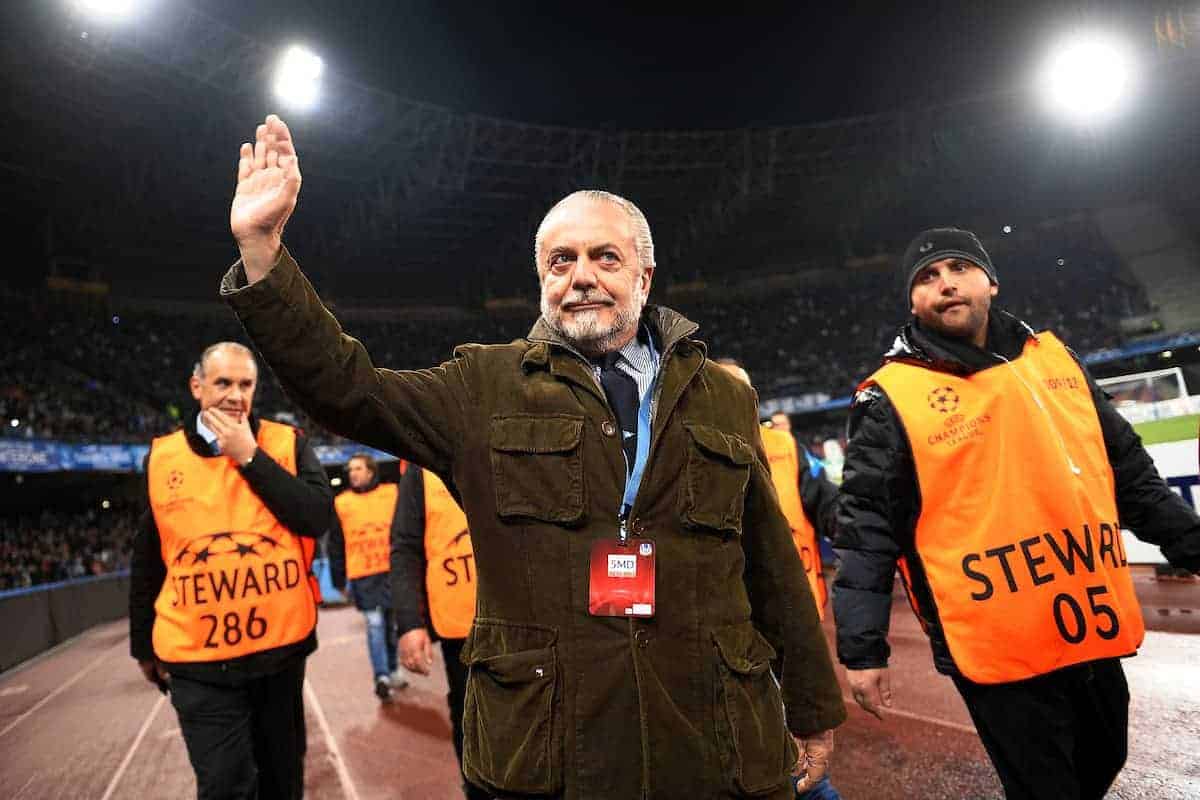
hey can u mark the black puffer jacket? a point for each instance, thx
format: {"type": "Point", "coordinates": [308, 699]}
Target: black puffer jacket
{"type": "Point", "coordinates": [879, 501]}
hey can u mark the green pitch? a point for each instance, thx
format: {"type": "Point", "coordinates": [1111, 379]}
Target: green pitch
{"type": "Point", "coordinates": [1169, 430]}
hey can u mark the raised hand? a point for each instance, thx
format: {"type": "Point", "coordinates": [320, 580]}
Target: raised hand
{"type": "Point", "coordinates": [268, 184]}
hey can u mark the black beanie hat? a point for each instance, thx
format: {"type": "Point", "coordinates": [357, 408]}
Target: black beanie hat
{"type": "Point", "coordinates": [938, 243]}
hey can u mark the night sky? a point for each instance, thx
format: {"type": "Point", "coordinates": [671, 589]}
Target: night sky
{"type": "Point", "coordinates": [596, 64]}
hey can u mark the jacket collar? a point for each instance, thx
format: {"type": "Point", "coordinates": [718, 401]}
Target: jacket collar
{"type": "Point", "coordinates": [668, 327]}
{"type": "Point", "coordinates": [920, 345]}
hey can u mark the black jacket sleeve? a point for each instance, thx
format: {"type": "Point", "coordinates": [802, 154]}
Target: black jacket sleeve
{"type": "Point", "coordinates": [818, 495]}
{"type": "Point", "coordinates": [335, 547]}
{"type": "Point", "coordinates": [1146, 505]}
{"type": "Point", "coordinates": [146, 575]}
{"type": "Point", "coordinates": [303, 503]}
{"type": "Point", "coordinates": [876, 511]}
{"type": "Point", "coordinates": [409, 602]}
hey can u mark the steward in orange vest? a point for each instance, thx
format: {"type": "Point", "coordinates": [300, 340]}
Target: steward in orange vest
{"type": "Point", "coordinates": [223, 604]}
{"type": "Point", "coordinates": [360, 543]}
{"type": "Point", "coordinates": [807, 498]}
{"type": "Point", "coordinates": [987, 465]}
{"type": "Point", "coordinates": [433, 582]}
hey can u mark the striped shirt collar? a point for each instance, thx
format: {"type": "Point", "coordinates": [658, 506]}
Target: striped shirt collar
{"type": "Point", "coordinates": [638, 360]}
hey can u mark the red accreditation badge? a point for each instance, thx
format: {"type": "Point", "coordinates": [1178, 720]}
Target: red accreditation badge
{"type": "Point", "coordinates": [622, 579]}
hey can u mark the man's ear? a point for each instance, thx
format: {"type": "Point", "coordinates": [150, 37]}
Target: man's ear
{"type": "Point", "coordinates": [647, 278]}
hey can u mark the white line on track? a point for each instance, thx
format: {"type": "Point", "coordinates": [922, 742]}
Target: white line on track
{"type": "Point", "coordinates": [141, 734]}
{"type": "Point", "coordinates": [62, 687]}
{"type": "Point", "coordinates": [899, 712]}
{"type": "Point", "coordinates": [339, 763]}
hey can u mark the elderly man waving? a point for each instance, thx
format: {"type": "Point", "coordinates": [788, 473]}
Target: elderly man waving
{"type": "Point", "coordinates": [637, 581]}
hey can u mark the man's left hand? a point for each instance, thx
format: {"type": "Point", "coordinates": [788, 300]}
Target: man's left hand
{"type": "Point", "coordinates": [234, 436]}
{"type": "Point", "coordinates": [813, 764]}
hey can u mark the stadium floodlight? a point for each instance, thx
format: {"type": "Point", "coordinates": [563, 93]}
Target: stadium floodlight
{"type": "Point", "coordinates": [107, 10]}
{"type": "Point", "coordinates": [298, 78]}
{"type": "Point", "coordinates": [1087, 78]}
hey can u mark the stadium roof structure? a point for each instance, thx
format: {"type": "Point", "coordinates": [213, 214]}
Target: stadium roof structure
{"type": "Point", "coordinates": [126, 139]}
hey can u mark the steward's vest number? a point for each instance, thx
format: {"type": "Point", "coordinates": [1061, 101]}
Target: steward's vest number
{"type": "Point", "coordinates": [1073, 625]}
{"type": "Point", "coordinates": [230, 628]}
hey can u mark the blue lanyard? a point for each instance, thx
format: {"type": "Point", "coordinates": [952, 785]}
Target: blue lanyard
{"type": "Point", "coordinates": [633, 479]}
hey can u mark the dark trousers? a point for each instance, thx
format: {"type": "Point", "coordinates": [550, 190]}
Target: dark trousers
{"type": "Point", "coordinates": [1060, 736]}
{"type": "Point", "coordinates": [456, 677]}
{"type": "Point", "coordinates": [246, 741]}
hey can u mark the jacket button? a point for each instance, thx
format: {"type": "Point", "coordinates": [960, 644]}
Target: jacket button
{"type": "Point", "coordinates": [642, 638]}
{"type": "Point", "coordinates": [608, 428]}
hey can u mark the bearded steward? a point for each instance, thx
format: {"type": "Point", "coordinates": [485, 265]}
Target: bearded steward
{"type": "Point", "coordinates": [636, 577]}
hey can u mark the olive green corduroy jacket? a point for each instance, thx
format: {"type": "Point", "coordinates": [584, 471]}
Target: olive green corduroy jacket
{"type": "Point", "coordinates": [561, 703]}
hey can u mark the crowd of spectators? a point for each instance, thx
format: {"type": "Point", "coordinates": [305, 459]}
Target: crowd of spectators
{"type": "Point", "coordinates": [48, 545]}
{"type": "Point", "coordinates": [102, 377]}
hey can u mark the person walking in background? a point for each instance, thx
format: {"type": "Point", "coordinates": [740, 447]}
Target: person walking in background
{"type": "Point", "coordinates": [433, 579]}
{"type": "Point", "coordinates": [359, 543]}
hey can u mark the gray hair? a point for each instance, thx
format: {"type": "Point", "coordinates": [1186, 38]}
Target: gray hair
{"type": "Point", "coordinates": [643, 242]}
{"type": "Point", "coordinates": [235, 347]}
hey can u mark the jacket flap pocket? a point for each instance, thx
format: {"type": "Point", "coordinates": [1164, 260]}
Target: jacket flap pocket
{"type": "Point", "coordinates": [527, 666]}
{"type": "Point", "coordinates": [720, 444]}
{"type": "Point", "coordinates": [535, 433]}
{"type": "Point", "coordinates": [490, 638]}
{"type": "Point", "coordinates": [743, 648]}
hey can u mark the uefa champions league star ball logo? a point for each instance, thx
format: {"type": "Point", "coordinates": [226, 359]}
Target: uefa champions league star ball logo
{"type": "Point", "coordinates": [203, 549]}
{"type": "Point", "coordinates": [943, 400]}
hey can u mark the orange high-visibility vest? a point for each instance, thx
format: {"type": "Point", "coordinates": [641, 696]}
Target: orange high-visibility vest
{"type": "Point", "coordinates": [1018, 532]}
{"type": "Point", "coordinates": [366, 519]}
{"type": "Point", "coordinates": [449, 562]}
{"type": "Point", "coordinates": [785, 465]}
{"type": "Point", "coordinates": [238, 582]}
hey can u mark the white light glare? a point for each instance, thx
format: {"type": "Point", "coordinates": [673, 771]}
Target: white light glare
{"type": "Point", "coordinates": [106, 505]}
{"type": "Point", "coordinates": [1008, 228]}
{"type": "Point", "coordinates": [335, 482]}
{"type": "Point", "coordinates": [113, 10]}
{"type": "Point", "coordinates": [1167, 354]}
{"type": "Point", "coordinates": [1087, 78]}
{"type": "Point", "coordinates": [14, 423]}
{"type": "Point", "coordinates": [298, 78]}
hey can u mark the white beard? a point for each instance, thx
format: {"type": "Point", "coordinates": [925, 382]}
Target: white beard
{"type": "Point", "coordinates": [584, 331]}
